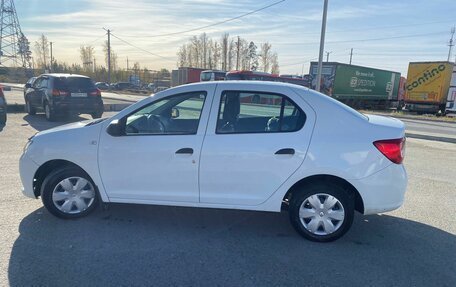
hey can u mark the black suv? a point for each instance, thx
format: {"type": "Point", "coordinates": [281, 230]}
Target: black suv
{"type": "Point", "coordinates": [63, 94]}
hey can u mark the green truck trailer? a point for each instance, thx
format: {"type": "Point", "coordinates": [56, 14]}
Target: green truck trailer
{"type": "Point", "coordinates": [358, 86]}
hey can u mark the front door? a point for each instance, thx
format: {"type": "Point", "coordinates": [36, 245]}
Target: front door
{"type": "Point", "coordinates": [157, 157]}
{"type": "Point", "coordinates": [255, 140]}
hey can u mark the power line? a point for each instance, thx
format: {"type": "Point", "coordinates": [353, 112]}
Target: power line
{"type": "Point", "coordinates": [90, 43]}
{"type": "Point", "coordinates": [211, 25]}
{"type": "Point", "coordinates": [364, 40]}
{"type": "Point", "coordinates": [139, 48]}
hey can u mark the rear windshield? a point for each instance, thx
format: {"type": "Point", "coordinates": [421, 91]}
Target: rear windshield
{"type": "Point", "coordinates": [73, 83]}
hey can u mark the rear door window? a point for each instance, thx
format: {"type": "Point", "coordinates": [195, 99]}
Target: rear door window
{"type": "Point", "coordinates": [251, 112]}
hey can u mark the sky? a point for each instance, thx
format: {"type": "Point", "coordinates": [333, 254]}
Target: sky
{"type": "Point", "coordinates": [385, 34]}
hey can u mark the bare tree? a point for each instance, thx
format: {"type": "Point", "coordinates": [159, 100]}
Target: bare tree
{"type": "Point", "coordinates": [227, 53]}
{"type": "Point", "coordinates": [203, 41]}
{"type": "Point", "coordinates": [86, 54]}
{"type": "Point", "coordinates": [136, 68]}
{"type": "Point", "coordinates": [182, 56]}
{"type": "Point", "coordinates": [42, 52]}
{"type": "Point", "coordinates": [265, 56]}
{"type": "Point", "coordinates": [274, 64]}
{"type": "Point", "coordinates": [216, 53]}
{"type": "Point", "coordinates": [224, 48]}
{"type": "Point", "coordinates": [231, 55]}
{"type": "Point", "coordinates": [113, 56]}
{"type": "Point", "coordinates": [252, 57]}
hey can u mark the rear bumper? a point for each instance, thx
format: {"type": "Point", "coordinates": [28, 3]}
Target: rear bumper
{"type": "Point", "coordinates": [27, 170]}
{"type": "Point", "coordinates": [383, 191]}
{"type": "Point", "coordinates": [83, 105]}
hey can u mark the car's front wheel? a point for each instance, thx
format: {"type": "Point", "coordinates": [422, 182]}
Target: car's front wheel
{"type": "Point", "coordinates": [69, 193]}
{"type": "Point", "coordinates": [322, 212]}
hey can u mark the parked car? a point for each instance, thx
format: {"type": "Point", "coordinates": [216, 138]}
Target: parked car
{"type": "Point", "coordinates": [29, 84]}
{"type": "Point", "coordinates": [102, 85]}
{"type": "Point", "coordinates": [303, 152]}
{"type": "Point", "coordinates": [123, 86]}
{"type": "Point", "coordinates": [2, 110]}
{"type": "Point", "coordinates": [63, 94]}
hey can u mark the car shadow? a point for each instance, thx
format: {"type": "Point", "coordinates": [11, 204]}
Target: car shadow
{"type": "Point", "coordinates": [39, 122]}
{"type": "Point", "coordinates": [155, 245]}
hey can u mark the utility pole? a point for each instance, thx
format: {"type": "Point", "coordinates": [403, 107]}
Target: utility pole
{"type": "Point", "coordinates": [127, 64]}
{"type": "Point", "coordinates": [238, 52]}
{"type": "Point", "coordinates": [327, 56]}
{"type": "Point", "coordinates": [322, 45]}
{"type": "Point", "coordinates": [351, 55]}
{"type": "Point", "coordinates": [50, 69]}
{"type": "Point", "coordinates": [94, 65]}
{"type": "Point", "coordinates": [451, 44]}
{"type": "Point", "coordinates": [109, 55]}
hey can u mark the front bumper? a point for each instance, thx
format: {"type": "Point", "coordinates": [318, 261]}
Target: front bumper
{"type": "Point", "coordinates": [27, 170]}
{"type": "Point", "coordinates": [384, 190]}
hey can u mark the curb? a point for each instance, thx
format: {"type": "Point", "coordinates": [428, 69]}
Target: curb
{"type": "Point", "coordinates": [431, 138]}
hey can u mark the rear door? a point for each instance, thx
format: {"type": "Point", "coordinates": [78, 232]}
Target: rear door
{"type": "Point", "coordinates": [39, 93]}
{"type": "Point", "coordinates": [256, 138]}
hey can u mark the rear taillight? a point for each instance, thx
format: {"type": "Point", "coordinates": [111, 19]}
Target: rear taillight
{"type": "Point", "coordinates": [97, 92]}
{"type": "Point", "coordinates": [394, 149]}
{"type": "Point", "coordinates": [57, 93]}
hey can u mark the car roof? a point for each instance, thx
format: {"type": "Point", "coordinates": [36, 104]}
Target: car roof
{"type": "Point", "coordinates": [246, 83]}
{"type": "Point", "coordinates": [62, 75]}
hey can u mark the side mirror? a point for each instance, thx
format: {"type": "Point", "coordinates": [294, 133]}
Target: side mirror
{"type": "Point", "coordinates": [175, 113]}
{"type": "Point", "coordinates": [28, 85]}
{"type": "Point", "coordinates": [115, 128]}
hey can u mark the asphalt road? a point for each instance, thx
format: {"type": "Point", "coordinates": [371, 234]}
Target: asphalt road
{"type": "Point", "coordinates": [135, 245]}
{"type": "Point", "coordinates": [447, 129]}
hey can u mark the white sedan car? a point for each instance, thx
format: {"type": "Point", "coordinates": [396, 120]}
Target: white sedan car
{"type": "Point", "coordinates": [238, 145]}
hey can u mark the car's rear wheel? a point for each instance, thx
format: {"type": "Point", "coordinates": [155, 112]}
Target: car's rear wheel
{"type": "Point", "coordinates": [69, 193]}
{"type": "Point", "coordinates": [29, 108]}
{"type": "Point", "coordinates": [322, 212]}
{"type": "Point", "coordinates": [50, 114]}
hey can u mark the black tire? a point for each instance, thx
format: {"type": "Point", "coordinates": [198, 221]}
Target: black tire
{"type": "Point", "coordinates": [50, 114]}
{"type": "Point", "coordinates": [29, 108]}
{"type": "Point", "coordinates": [345, 198]}
{"type": "Point", "coordinates": [50, 183]}
{"type": "Point", "coordinates": [97, 115]}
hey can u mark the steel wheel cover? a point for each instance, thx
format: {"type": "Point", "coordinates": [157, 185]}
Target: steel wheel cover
{"type": "Point", "coordinates": [321, 214]}
{"type": "Point", "coordinates": [73, 195]}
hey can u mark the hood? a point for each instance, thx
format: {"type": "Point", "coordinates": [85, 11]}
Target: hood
{"type": "Point", "coordinates": [71, 126]}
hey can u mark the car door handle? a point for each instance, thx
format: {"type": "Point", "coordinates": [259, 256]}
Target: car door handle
{"type": "Point", "coordinates": [285, 151]}
{"type": "Point", "coordinates": [186, 150]}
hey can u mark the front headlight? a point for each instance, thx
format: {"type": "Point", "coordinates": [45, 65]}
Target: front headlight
{"type": "Point", "coordinates": [29, 142]}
